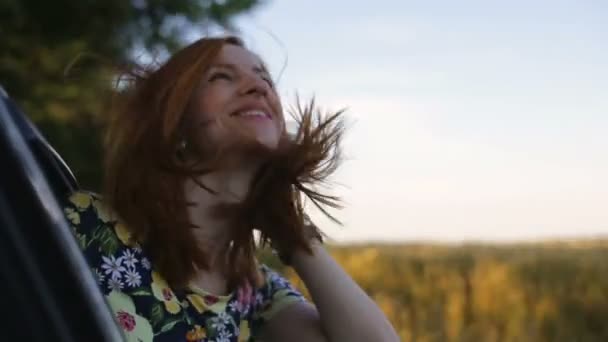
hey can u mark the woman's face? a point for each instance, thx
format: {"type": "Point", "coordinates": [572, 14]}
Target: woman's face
{"type": "Point", "coordinates": [236, 90]}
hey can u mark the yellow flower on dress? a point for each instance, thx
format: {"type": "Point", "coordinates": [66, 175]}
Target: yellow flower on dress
{"type": "Point", "coordinates": [81, 200]}
{"type": "Point", "coordinates": [196, 334]}
{"type": "Point", "coordinates": [124, 234]}
{"type": "Point", "coordinates": [135, 327]}
{"type": "Point", "coordinates": [104, 213]}
{"type": "Point", "coordinates": [244, 332]}
{"type": "Point", "coordinates": [204, 303]}
{"type": "Point", "coordinates": [197, 302]}
{"type": "Point", "coordinates": [163, 292]}
{"type": "Point", "coordinates": [72, 215]}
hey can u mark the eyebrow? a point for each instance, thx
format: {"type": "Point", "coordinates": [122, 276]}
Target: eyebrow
{"type": "Point", "coordinates": [260, 69]}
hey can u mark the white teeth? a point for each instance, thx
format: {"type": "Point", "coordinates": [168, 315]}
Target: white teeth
{"type": "Point", "coordinates": [253, 113]}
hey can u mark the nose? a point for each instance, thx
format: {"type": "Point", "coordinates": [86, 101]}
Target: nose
{"type": "Point", "coordinates": [254, 85]}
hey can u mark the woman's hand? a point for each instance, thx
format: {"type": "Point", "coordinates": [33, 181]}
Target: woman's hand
{"type": "Point", "coordinates": [311, 235]}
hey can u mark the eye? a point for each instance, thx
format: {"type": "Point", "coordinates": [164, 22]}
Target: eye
{"type": "Point", "coordinates": [268, 80]}
{"type": "Point", "coordinates": [220, 75]}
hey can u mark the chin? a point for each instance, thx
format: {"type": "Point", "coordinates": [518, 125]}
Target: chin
{"type": "Point", "coordinates": [268, 142]}
{"type": "Point", "coordinates": [267, 136]}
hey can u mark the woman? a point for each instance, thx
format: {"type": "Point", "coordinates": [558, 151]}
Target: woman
{"type": "Point", "coordinates": [197, 158]}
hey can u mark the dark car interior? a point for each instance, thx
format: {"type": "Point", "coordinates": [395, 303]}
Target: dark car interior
{"type": "Point", "coordinates": [48, 290]}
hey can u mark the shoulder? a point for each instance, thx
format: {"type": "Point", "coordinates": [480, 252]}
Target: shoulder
{"type": "Point", "coordinates": [82, 201]}
{"type": "Point", "coordinates": [276, 294]}
{"type": "Point", "coordinates": [284, 312]}
{"type": "Point", "coordinates": [84, 210]}
{"type": "Point", "coordinates": [90, 217]}
{"type": "Point", "coordinates": [115, 258]}
{"type": "Point", "coordinates": [121, 269]}
{"type": "Point", "coordinates": [273, 280]}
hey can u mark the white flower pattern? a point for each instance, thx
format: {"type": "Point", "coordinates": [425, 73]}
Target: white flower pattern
{"type": "Point", "coordinates": [115, 284]}
{"type": "Point", "coordinates": [259, 299]}
{"type": "Point", "coordinates": [278, 280]}
{"type": "Point", "coordinates": [129, 258]}
{"type": "Point", "coordinates": [224, 317]}
{"type": "Point", "coordinates": [118, 267]}
{"type": "Point", "coordinates": [224, 336]}
{"type": "Point", "coordinates": [235, 306]}
{"type": "Point", "coordinates": [146, 263]}
{"type": "Point", "coordinates": [218, 324]}
{"type": "Point", "coordinates": [99, 276]}
{"type": "Point", "coordinates": [113, 266]}
{"type": "Point", "coordinates": [132, 278]}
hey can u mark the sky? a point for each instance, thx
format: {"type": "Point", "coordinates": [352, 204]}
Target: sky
{"type": "Point", "coordinates": [468, 120]}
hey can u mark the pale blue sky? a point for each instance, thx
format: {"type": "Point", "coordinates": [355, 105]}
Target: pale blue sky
{"type": "Point", "coordinates": [479, 120]}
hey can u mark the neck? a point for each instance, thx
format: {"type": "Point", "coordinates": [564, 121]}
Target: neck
{"type": "Point", "coordinates": [213, 233]}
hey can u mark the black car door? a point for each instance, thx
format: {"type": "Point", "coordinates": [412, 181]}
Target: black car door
{"type": "Point", "coordinates": [48, 292]}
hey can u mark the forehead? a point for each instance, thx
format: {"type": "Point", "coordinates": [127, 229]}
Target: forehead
{"type": "Point", "coordinates": [239, 56]}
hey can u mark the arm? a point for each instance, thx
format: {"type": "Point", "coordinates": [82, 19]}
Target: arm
{"type": "Point", "coordinates": [345, 312]}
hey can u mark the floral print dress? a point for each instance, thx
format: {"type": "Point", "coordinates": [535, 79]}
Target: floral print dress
{"type": "Point", "coordinates": [144, 305]}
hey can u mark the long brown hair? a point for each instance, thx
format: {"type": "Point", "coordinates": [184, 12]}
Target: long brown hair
{"type": "Point", "coordinates": [144, 175]}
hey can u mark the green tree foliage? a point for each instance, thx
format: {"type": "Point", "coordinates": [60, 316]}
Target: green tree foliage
{"type": "Point", "coordinates": [553, 292]}
{"type": "Point", "coordinates": [40, 39]}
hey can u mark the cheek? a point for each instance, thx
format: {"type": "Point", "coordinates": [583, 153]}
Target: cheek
{"type": "Point", "coordinates": [211, 100]}
{"type": "Point", "coordinates": [195, 107]}
{"type": "Point", "coordinates": [200, 122]}
{"type": "Point", "coordinates": [278, 109]}
{"type": "Point", "coordinates": [205, 107]}
{"type": "Point", "coordinates": [280, 122]}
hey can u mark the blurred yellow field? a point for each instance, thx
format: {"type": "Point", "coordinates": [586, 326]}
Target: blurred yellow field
{"type": "Point", "coordinates": [553, 291]}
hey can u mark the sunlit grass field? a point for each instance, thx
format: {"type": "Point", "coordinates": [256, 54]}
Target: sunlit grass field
{"type": "Point", "coordinates": [549, 291]}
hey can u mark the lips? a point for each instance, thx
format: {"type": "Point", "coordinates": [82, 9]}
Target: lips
{"type": "Point", "coordinates": [253, 109]}
{"type": "Point", "coordinates": [253, 113]}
